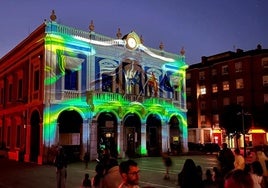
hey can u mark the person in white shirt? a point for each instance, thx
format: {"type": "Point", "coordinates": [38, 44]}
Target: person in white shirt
{"type": "Point", "coordinates": [239, 162]}
{"type": "Point", "coordinates": [257, 174]}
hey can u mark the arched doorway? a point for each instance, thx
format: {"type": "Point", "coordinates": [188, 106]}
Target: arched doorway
{"type": "Point", "coordinates": [107, 133]}
{"type": "Point", "coordinates": [35, 136]}
{"type": "Point", "coordinates": [175, 135]}
{"type": "Point", "coordinates": [70, 133]}
{"type": "Point", "coordinates": [132, 135]}
{"type": "Point", "coordinates": [154, 136]}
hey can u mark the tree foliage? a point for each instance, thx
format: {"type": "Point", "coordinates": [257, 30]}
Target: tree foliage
{"type": "Point", "coordinates": [231, 119]}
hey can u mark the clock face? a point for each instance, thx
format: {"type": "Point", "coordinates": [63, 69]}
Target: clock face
{"type": "Point", "coordinates": [131, 42]}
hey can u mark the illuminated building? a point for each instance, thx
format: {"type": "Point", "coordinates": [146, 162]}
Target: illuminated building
{"type": "Point", "coordinates": [84, 91]}
{"type": "Point", "coordinates": [224, 79]}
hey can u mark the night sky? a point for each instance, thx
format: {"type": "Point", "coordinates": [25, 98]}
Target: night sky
{"type": "Point", "coordinates": [202, 27]}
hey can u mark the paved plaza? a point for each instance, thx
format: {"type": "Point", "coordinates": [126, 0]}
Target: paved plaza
{"type": "Point", "coordinates": [21, 175]}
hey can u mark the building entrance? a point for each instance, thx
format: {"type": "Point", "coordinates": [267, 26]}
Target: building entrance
{"type": "Point", "coordinates": [132, 135]}
{"type": "Point", "coordinates": [107, 135]}
{"type": "Point", "coordinates": [153, 130]}
{"type": "Point", "coordinates": [70, 131]}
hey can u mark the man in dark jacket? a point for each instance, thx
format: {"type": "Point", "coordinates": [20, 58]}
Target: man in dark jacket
{"type": "Point", "coordinates": [226, 159]}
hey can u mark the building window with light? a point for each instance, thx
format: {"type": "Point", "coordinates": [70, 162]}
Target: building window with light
{"type": "Point", "coordinates": [202, 75]}
{"type": "Point", "coordinates": [238, 66]}
{"type": "Point", "coordinates": [239, 83]}
{"type": "Point", "coordinates": [225, 86]}
{"type": "Point", "coordinates": [224, 70]}
{"type": "Point", "coordinates": [203, 120]}
{"type": "Point", "coordinates": [216, 120]}
{"type": "Point", "coordinates": [265, 63]}
{"type": "Point", "coordinates": [265, 81]}
{"type": "Point", "coordinates": [214, 88]}
{"type": "Point", "coordinates": [203, 90]}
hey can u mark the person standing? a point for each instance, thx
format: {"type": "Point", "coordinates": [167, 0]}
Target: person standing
{"type": "Point", "coordinates": [168, 163]}
{"type": "Point", "coordinates": [238, 179]}
{"type": "Point", "coordinates": [86, 181]}
{"type": "Point", "coordinates": [86, 159]}
{"type": "Point", "coordinates": [226, 159]}
{"type": "Point", "coordinates": [112, 177]}
{"type": "Point", "coordinates": [96, 181]}
{"type": "Point", "coordinates": [239, 162]}
{"type": "Point", "coordinates": [130, 174]}
{"type": "Point", "coordinates": [61, 168]}
{"type": "Point", "coordinates": [188, 177]}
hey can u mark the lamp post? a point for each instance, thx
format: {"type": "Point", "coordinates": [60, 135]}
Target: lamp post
{"type": "Point", "coordinates": [242, 113]}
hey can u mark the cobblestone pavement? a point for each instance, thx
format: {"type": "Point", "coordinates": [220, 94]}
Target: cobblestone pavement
{"type": "Point", "coordinates": [28, 175]}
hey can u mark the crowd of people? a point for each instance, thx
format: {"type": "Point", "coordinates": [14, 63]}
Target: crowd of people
{"type": "Point", "coordinates": [233, 172]}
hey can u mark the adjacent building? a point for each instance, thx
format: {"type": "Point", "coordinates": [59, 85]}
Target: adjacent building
{"type": "Point", "coordinates": [85, 91]}
{"type": "Point", "coordinates": [223, 79]}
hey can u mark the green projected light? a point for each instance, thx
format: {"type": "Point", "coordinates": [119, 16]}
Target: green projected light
{"type": "Point", "coordinates": [63, 52]}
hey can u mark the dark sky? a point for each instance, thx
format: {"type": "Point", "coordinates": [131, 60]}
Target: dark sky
{"type": "Point", "coordinates": [202, 27]}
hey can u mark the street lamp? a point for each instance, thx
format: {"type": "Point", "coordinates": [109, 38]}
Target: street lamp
{"type": "Point", "coordinates": [242, 113]}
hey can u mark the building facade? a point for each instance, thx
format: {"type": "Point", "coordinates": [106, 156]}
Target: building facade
{"type": "Point", "coordinates": [224, 79]}
{"type": "Point", "coordinates": [85, 91]}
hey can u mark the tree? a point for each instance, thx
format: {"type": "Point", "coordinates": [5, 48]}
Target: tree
{"type": "Point", "coordinates": [231, 119]}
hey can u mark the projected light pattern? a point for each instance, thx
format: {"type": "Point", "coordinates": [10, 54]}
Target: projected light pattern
{"type": "Point", "coordinates": [62, 52]}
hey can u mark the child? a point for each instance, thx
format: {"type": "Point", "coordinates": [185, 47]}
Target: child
{"type": "Point", "coordinates": [168, 163]}
{"type": "Point", "coordinates": [86, 181]}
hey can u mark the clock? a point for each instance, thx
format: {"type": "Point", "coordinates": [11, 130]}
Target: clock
{"type": "Point", "coordinates": [131, 42]}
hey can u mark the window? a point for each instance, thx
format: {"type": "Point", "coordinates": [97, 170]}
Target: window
{"type": "Point", "coordinates": [265, 63]}
{"type": "Point", "coordinates": [226, 101]}
{"type": "Point", "coordinates": [214, 88]}
{"type": "Point", "coordinates": [203, 105]}
{"type": "Point", "coordinates": [214, 104]}
{"type": "Point", "coordinates": [71, 80]}
{"type": "Point", "coordinates": [8, 135]}
{"type": "Point", "coordinates": [203, 119]}
{"type": "Point", "coordinates": [224, 70]}
{"type": "Point", "coordinates": [189, 105]}
{"type": "Point", "coordinates": [188, 76]}
{"type": "Point", "coordinates": [214, 72]}
{"type": "Point", "coordinates": [240, 100]}
{"type": "Point", "coordinates": [225, 86]}
{"type": "Point", "coordinates": [2, 96]}
{"type": "Point", "coordinates": [239, 83]}
{"type": "Point", "coordinates": [20, 89]}
{"type": "Point", "coordinates": [188, 91]}
{"type": "Point", "coordinates": [10, 88]}
{"type": "Point", "coordinates": [265, 98]}
{"type": "Point", "coordinates": [18, 139]}
{"type": "Point", "coordinates": [202, 75]}
{"type": "Point", "coordinates": [265, 81]}
{"type": "Point", "coordinates": [1, 137]}
{"type": "Point", "coordinates": [203, 90]}
{"type": "Point", "coordinates": [215, 118]}
{"type": "Point", "coordinates": [238, 67]}
{"type": "Point", "coordinates": [36, 80]}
